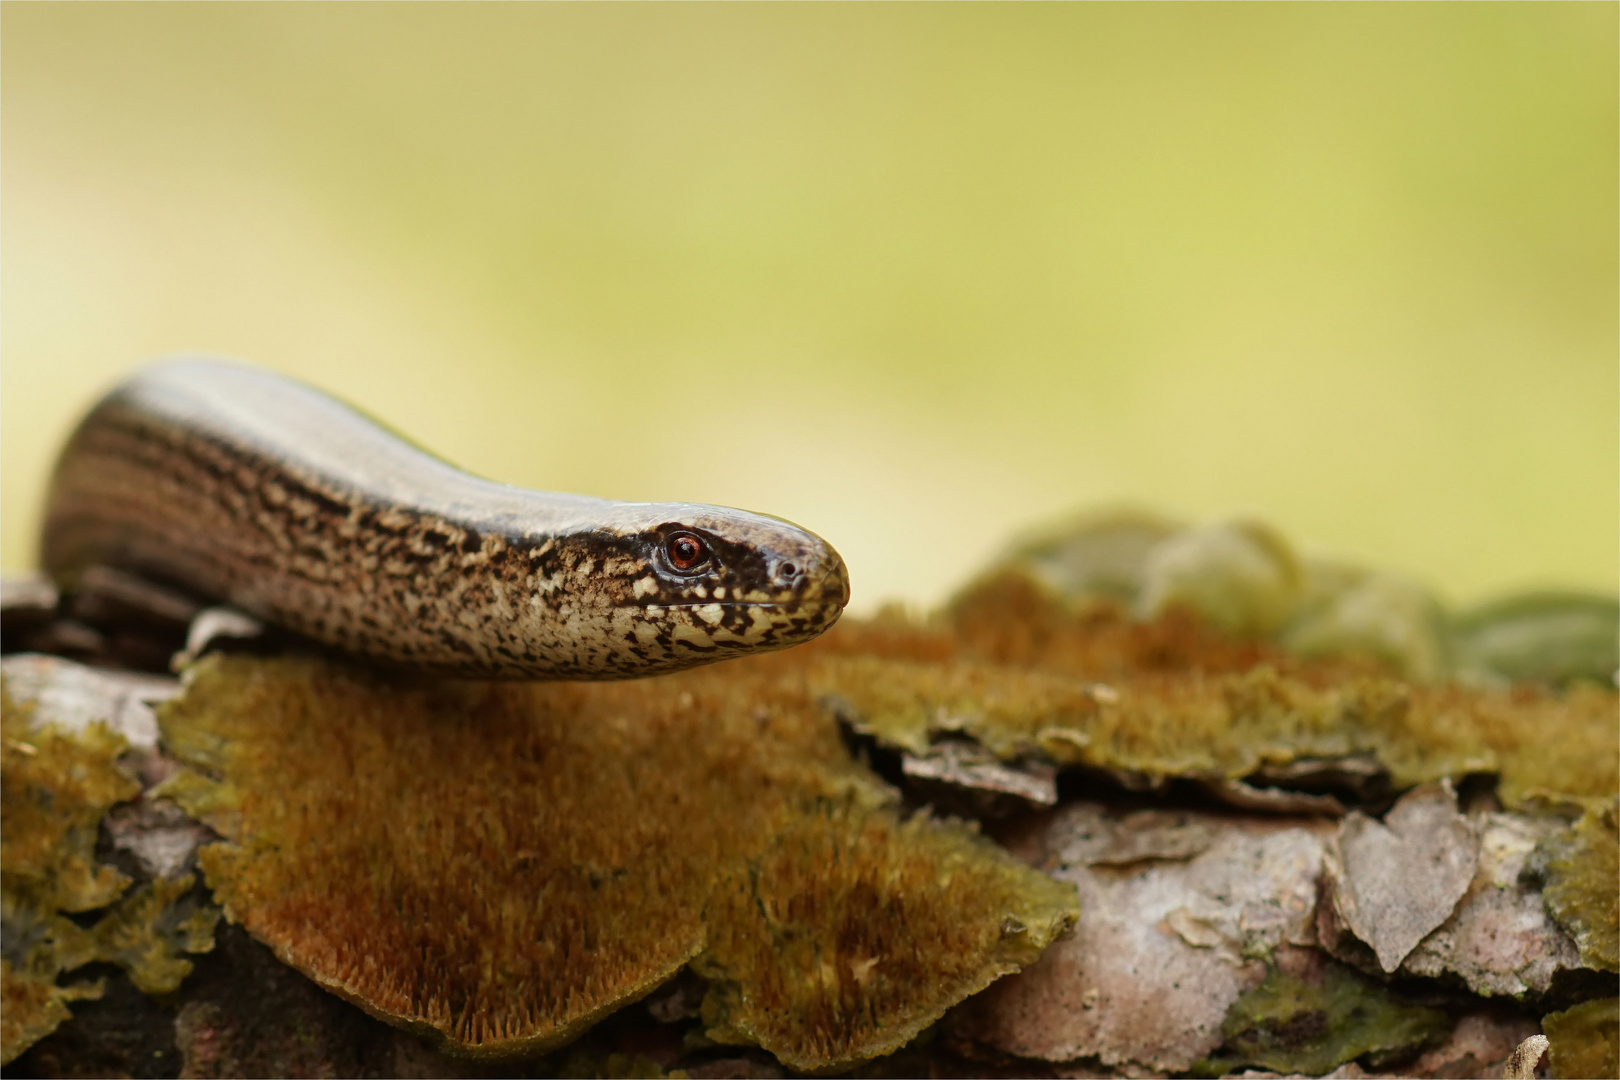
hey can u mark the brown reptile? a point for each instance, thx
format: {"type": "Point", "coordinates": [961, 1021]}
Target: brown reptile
{"type": "Point", "coordinates": [248, 488]}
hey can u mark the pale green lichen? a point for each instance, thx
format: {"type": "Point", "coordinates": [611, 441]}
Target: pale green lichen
{"type": "Point", "coordinates": [1096, 554]}
{"type": "Point", "coordinates": [1241, 576]}
{"type": "Point", "coordinates": [1556, 638]}
{"type": "Point", "coordinates": [1352, 612]}
{"type": "Point", "coordinates": [1246, 578]}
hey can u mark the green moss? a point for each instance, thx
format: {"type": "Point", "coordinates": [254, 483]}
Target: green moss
{"type": "Point", "coordinates": [1584, 1041]}
{"type": "Point", "coordinates": [501, 865]}
{"type": "Point", "coordinates": [1315, 1022]}
{"type": "Point", "coordinates": [1027, 675]}
{"type": "Point", "coordinates": [1581, 865]}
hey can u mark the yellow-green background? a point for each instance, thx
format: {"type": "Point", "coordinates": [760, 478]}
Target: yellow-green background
{"type": "Point", "coordinates": [915, 276]}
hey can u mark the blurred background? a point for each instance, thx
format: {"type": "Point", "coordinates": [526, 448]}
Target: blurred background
{"type": "Point", "coordinates": [917, 277]}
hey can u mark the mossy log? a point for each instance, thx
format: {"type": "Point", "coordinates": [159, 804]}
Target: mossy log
{"type": "Point", "coordinates": [860, 856]}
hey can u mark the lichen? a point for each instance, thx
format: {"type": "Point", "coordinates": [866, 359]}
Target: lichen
{"type": "Point", "coordinates": [498, 866]}
{"type": "Point", "coordinates": [56, 786]}
{"type": "Point", "coordinates": [1556, 638]}
{"type": "Point", "coordinates": [38, 946]}
{"type": "Point", "coordinates": [1240, 575]}
{"type": "Point", "coordinates": [1348, 611]}
{"type": "Point", "coordinates": [1247, 578]}
{"type": "Point", "coordinates": [1585, 1040]}
{"type": "Point", "coordinates": [1581, 865]}
{"type": "Point", "coordinates": [146, 933]}
{"type": "Point", "coordinates": [1310, 1023]}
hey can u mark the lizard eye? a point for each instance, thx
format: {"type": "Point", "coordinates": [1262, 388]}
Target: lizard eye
{"type": "Point", "coordinates": [686, 552]}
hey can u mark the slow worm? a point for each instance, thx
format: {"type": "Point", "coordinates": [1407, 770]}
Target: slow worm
{"type": "Point", "coordinates": [241, 486]}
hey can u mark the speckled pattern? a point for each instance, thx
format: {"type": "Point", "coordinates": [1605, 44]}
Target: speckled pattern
{"type": "Point", "coordinates": [245, 487]}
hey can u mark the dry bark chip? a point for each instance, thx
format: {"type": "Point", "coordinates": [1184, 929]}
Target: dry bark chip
{"type": "Point", "coordinates": [1481, 1038]}
{"type": "Point", "coordinates": [1396, 881]}
{"type": "Point", "coordinates": [964, 766]}
{"type": "Point", "coordinates": [71, 697]}
{"type": "Point", "coordinates": [1179, 910]}
{"type": "Point", "coordinates": [1521, 1064]}
{"type": "Point", "coordinates": [499, 865]}
{"type": "Point", "coordinates": [1500, 940]}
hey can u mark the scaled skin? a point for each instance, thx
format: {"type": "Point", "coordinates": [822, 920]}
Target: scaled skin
{"type": "Point", "coordinates": [248, 488]}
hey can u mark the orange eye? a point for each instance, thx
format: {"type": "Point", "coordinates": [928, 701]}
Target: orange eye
{"type": "Point", "coordinates": [685, 551]}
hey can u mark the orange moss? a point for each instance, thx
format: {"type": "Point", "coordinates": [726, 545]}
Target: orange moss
{"type": "Point", "coordinates": [1011, 620]}
{"type": "Point", "coordinates": [499, 865]}
{"type": "Point", "coordinates": [825, 942]}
